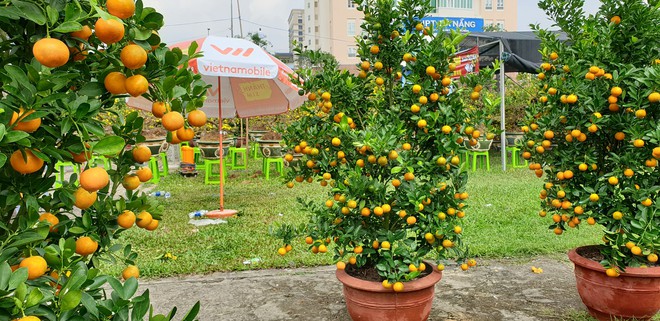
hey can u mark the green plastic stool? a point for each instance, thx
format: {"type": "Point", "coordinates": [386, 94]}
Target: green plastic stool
{"type": "Point", "coordinates": [234, 154]}
{"type": "Point", "coordinates": [166, 168]}
{"type": "Point", "coordinates": [480, 157]}
{"type": "Point", "coordinates": [254, 150]}
{"type": "Point", "coordinates": [59, 167]}
{"type": "Point", "coordinates": [515, 157]}
{"type": "Point", "coordinates": [197, 156]}
{"type": "Point", "coordinates": [279, 165]}
{"type": "Point", "coordinates": [464, 158]}
{"type": "Point", "coordinates": [209, 176]}
{"type": "Point", "coordinates": [155, 172]}
{"type": "Point", "coordinates": [95, 160]}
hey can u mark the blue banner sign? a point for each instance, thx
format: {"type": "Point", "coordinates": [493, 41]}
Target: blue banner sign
{"type": "Point", "coordinates": [468, 24]}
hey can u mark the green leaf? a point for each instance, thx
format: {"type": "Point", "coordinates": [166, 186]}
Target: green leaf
{"type": "Point", "coordinates": [110, 145]}
{"type": "Point", "coordinates": [72, 11]}
{"type": "Point", "coordinates": [190, 316]}
{"type": "Point", "coordinates": [10, 12]}
{"type": "Point", "coordinates": [13, 136]}
{"type": "Point", "coordinates": [31, 12]}
{"type": "Point", "coordinates": [34, 298]}
{"type": "Point", "coordinates": [140, 306]}
{"type": "Point", "coordinates": [77, 230]}
{"type": "Point", "coordinates": [130, 287]}
{"type": "Point", "coordinates": [26, 238]}
{"type": "Point", "coordinates": [70, 300]}
{"type": "Point", "coordinates": [159, 317]}
{"type": "Point", "coordinates": [5, 274]}
{"type": "Point", "coordinates": [17, 74]}
{"type": "Point", "coordinates": [3, 160]}
{"type": "Point", "coordinates": [193, 47]}
{"type": "Point", "coordinates": [141, 34]}
{"type": "Point", "coordinates": [87, 220]}
{"type": "Point", "coordinates": [92, 89]}
{"type": "Point", "coordinates": [153, 20]}
{"type": "Point", "coordinates": [104, 15]}
{"type": "Point", "coordinates": [17, 277]}
{"type": "Point", "coordinates": [21, 291]}
{"type": "Point", "coordinates": [90, 304]}
{"type": "Point", "coordinates": [117, 287]}
{"type": "Point", "coordinates": [68, 26]}
{"type": "Point", "coordinates": [52, 15]}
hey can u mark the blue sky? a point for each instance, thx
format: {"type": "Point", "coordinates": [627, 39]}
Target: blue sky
{"type": "Point", "coordinates": [186, 20]}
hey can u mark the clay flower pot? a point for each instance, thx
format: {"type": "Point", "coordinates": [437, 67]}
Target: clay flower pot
{"type": "Point", "coordinates": [634, 294]}
{"type": "Point", "coordinates": [370, 301]}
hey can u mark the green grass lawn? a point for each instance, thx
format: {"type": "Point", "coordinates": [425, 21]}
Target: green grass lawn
{"type": "Point", "coordinates": [501, 221]}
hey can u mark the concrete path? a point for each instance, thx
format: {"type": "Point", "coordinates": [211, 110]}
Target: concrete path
{"type": "Point", "coordinates": [495, 290]}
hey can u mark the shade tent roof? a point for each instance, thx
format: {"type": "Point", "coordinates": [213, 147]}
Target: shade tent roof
{"type": "Point", "coordinates": [522, 48]}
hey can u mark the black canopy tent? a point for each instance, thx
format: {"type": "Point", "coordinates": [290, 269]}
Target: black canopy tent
{"type": "Point", "coordinates": [521, 49]}
{"type": "Point", "coordinates": [520, 53]}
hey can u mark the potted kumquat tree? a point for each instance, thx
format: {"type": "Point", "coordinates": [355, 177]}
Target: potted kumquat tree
{"type": "Point", "coordinates": [595, 133]}
{"type": "Point", "coordinates": [388, 143]}
{"type": "Point", "coordinates": [64, 63]}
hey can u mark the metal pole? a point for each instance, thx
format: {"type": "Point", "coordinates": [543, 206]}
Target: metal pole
{"type": "Point", "coordinates": [231, 16]}
{"type": "Point", "coordinates": [240, 22]}
{"type": "Point", "coordinates": [220, 148]}
{"type": "Point", "coordinates": [221, 212]}
{"type": "Point", "coordinates": [502, 108]}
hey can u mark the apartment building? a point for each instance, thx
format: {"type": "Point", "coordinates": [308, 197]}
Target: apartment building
{"type": "Point", "coordinates": [331, 25]}
{"type": "Point", "coordinates": [296, 27]}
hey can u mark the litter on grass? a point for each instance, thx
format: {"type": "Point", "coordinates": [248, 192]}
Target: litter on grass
{"type": "Point", "coordinates": [206, 221]}
{"type": "Point", "coordinates": [254, 260]}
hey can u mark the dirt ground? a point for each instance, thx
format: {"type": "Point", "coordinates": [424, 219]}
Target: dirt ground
{"type": "Point", "coordinates": [495, 290]}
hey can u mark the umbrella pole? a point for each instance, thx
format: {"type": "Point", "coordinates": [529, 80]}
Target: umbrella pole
{"type": "Point", "coordinates": [222, 212]}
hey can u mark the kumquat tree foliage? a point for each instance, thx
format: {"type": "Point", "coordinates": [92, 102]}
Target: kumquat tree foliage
{"type": "Point", "coordinates": [594, 130]}
{"type": "Point", "coordinates": [388, 142]}
{"type": "Point", "coordinates": [62, 63]}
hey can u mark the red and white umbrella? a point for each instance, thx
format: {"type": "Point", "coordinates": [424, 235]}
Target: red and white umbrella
{"type": "Point", "coordinates": [251, 83]}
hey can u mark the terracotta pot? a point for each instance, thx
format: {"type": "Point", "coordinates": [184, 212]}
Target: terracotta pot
{"type": "Point", "coordinates": [370, 301]}
{"type": "Point", "coordinates": [634, 294]}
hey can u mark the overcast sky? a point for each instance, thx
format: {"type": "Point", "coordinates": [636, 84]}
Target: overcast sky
{"type": "Point", "coordinates": [192, 19]}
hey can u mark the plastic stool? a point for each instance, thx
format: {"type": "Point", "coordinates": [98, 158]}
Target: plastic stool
{"type": "Point", "coordinates": [166, 168]}
{"type": "Point", "coordinates": [515, 157]}
{"type": "Point", "coordinates": [234, 153]}
{"type": "Point", "coordinates": [60, 167]}
{"type": "Point", "coordinates": [94, 161]}
{"type": "Point", "coordinates": [209, 176]}
{"type": "Point", "coordinates": [485, 158]}
{"type": "Point", "coordinates": [254, 150]}
{"type": "Point", "coordinates": [153, 166]}
{"type": "Point", "coordinates": [279, 165]}
{"type": "Point", "coordinates": [197, 155]}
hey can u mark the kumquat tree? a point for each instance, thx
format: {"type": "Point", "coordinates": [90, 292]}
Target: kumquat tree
{"type": "Point", "coordinates": [388, 142]}
{"type": "Point", "coordinates": [594, 129]}
{"type": "Point", "coordinates": [62, 63]}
